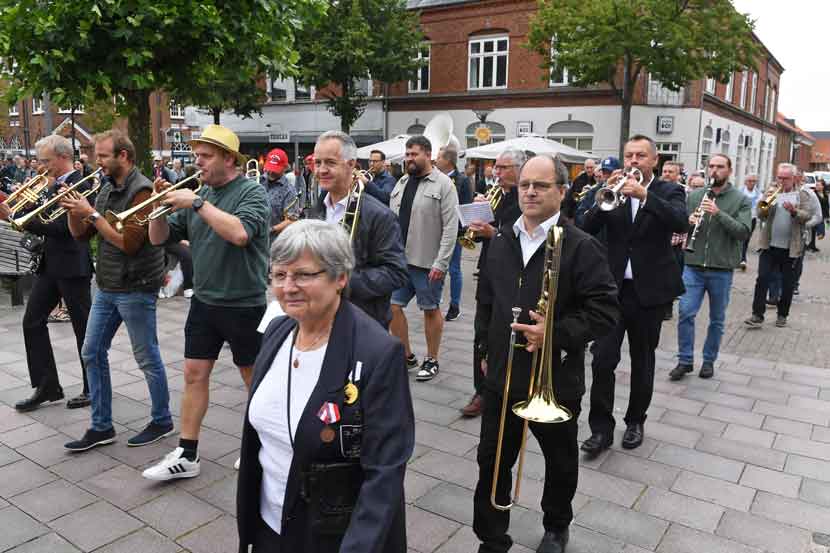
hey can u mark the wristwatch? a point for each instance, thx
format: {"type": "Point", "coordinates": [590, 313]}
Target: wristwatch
{"type": "Point", "coordinates": [197, 203]}
{"type": "Point", "coordinates": [93, 218]}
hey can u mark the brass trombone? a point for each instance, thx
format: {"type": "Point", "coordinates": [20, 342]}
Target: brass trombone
{"type": "Point", "coordinates": [286, 212]}
{"type": "Point", "coordinates": [119, 220]}
{"type": "Point", "coordinates": [766, 204]}
{"type": "Point", "coordinates": [28, 194]}
{"type": "Point", "coordinates": [42, 211]}
{"type": "Point", "coordinates": [541, 405]}
{"type": "Point", "coordinates": [352, 216]}
{"type": "Point", "coordinates": [252, 170]}
{"type": "Point", "coordinates": [494, 196]}
{"type": "Point", "coordinates": [610, 197]}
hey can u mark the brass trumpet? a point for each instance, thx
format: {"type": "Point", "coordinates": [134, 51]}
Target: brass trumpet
{"type": "Point", "coordinates": [610, 197]}
{"type": "Point", "coordinates": [252, 170]}
{"type": "Point", "coordinates": [494, 197]}
{"type": "Point", "coordinates": [541, 405]}
{"type": "Point", "coordinates": [57, 212]}
{"type": "Point", "coordinates": [286, 212]}
{"type": "Point", "coordinates": [766, 204]}
{"type": "Point", "coordinates": [119, 220]}
{"type": "Point", "coordinates": [28, 194]}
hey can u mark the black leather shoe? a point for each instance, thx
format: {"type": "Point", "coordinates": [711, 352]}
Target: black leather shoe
{"type": "Point", "coordinates": [41, 395]}
{"type": "Point", "coordinates": [553, 542]}
{"type": "Point", "coordinates": [81, 400]}
{"type": "Point", "coordinates": [633, 436]}
{"type": "Point", "coordinates": [680, 371]}
{"type": "Point", "coordinates": [707, 370]}
{"type": "Point", "coordinates": [597, 443]}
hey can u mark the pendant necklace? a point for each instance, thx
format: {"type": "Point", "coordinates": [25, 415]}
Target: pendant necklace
{"type": "Point", "coordinates": [296, 361]}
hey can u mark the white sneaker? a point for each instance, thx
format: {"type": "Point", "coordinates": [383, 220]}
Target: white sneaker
{"type": "Point", "coordinates": [173, 466]}
{"type": "Point", "coordinates": [188, 293]}
{"type": "Point", "coordinates": [236, 464]}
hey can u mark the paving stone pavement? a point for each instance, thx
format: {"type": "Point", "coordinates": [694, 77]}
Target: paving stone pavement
{"type": "Point", "coordinates": [736, 464]}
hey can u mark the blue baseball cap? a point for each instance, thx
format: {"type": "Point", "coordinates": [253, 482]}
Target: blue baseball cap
{"type": "Point", "coordinates": [610, 164]}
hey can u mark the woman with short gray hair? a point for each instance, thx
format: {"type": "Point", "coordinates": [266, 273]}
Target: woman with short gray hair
{"type": "Point", "coordinates": [329, 425]}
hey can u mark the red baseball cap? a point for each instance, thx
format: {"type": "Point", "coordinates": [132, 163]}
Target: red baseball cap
{"type": "Point", "coordinates": [309, 157]}
{"type": "Point", "coordinates": [276, 160]}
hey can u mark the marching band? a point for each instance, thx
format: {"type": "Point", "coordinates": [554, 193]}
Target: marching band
{"type": "Point", "coordinates": [562, 270]}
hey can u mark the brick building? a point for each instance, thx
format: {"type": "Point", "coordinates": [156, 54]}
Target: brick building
{"type": "Point", "coordinates": [31, 119]}
{"type": "Point", "coordinates": [794, 144]}
{"type": "Point", "coordinates": [821, 151]}
{"type": "Point", "coordinates": [479, 71]}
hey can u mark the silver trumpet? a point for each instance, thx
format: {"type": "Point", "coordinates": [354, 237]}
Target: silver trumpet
{"type": "Point", "coordinates": [610, 197]}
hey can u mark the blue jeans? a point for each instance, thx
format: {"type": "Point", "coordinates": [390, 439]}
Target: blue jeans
{"type": "Point", "coordinates": [456, 280]}
{"type": "Point", "coordinates": [699, 281]}
{"type": "Point", "coordinates": [138, 311]}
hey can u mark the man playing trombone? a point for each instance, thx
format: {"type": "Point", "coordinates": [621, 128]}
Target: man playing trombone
{"type": "Point", "coordinates": [585, 308]}
{"type": "Point", "coordinates": [226, 221]}
{"type": "Point", "coordinates": [129, 273]}
{"type": "Point", "coordinates": [64, 271]}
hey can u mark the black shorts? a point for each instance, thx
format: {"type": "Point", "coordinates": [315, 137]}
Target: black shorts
{"type": "Point", "coordinates": [208, 327]}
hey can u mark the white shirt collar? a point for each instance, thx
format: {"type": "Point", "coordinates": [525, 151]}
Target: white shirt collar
{"type": "Point", "coordinates": [519, 226]}
{"type": "Point", "coordinates": [343, 201]}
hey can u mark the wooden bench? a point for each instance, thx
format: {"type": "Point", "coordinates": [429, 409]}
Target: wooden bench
{"type": "Point", "coordinates": [15, 263]}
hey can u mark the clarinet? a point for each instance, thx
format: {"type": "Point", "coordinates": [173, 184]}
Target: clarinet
{"type": "Point", "coordinates": [699, 213]}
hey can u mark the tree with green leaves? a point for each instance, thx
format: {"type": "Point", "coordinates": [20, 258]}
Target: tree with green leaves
{"type": "Point", "coordinates": [77, 51]}
{"type": "Point", "coordinates": [359, 39]}
{"type": "Point", "coordinates": [617, 41]}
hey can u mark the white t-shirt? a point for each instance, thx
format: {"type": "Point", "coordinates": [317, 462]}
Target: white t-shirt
{"type": "Point", "coordinates": [268, 415]}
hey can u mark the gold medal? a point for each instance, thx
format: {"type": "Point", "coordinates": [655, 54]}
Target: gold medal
{"type": "Point", "coordinates": [350, 393]}
{"type": "Point", "coordinates": [327, 434]}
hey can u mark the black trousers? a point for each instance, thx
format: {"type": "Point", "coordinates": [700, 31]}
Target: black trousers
{"type": "Point", "coordinates": [748, 238]}
{"type": "Point", "coordinates": [478, 378]}
{"type": "Point", "coordinates": [46, 293]}
{"type": "Point", "coordinates": [642, 324]}
{"type": "Point", "coordinates": [557, 441]}
{"type": "Point", "coordinates": [770, 261]}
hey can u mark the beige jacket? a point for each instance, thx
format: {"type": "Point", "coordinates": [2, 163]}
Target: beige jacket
{"type": "Point", "coordinates": [802, 214]}
{"type": "Point", "coordinates": [433, 223]}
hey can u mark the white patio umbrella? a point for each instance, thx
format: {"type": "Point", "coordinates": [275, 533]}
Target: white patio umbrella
{"type": "Point", "coordinates": [394, 148]}
{"type": "Point", "coordinates": [529, 143]}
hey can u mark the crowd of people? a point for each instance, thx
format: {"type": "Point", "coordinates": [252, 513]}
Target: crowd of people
{"type": "Point", "coordinates": [564, 268]}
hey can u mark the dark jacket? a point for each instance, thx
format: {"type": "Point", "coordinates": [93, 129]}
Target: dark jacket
{"type": "Point", "coordinates": [569, 203]}
{"type": "Point", "coordinates": [586, 308]}
{"type": "Point", "coordinates": [646, 240]}
{"type": "Point", "coordinates": [381, 186]}
{"type": "Point", "coordinates": [63, 256]}
{"type": "Point", "coordinates": [465, 193]}
{"type": "Point", "coordinates": [380, 263]}
{"type": "Point", "coordinates": [377, 523]}
{"type": "Point", "coordinates": [116, 271]}
{"type": "Point", "coordinates": [719, 241]}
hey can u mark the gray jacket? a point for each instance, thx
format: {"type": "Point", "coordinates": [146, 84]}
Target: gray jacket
{"type": "Point", "coordinates": [433, 224]}
{"type": "Point", "coordinates": [803, 214]}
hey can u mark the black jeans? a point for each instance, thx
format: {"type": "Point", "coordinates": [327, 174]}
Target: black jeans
{"type": "Point", "coordinates": [642, 324]}
{"type": "Point", "coordinates": [748, 238]}
{"type": "Point", "coordinates": [557, 441]}
{"type": "Point", "coordinates": [772, 260]}
{"type": "Point", "coordinates": [46, 293]}
{"type": "Point", "coordinates": [181, 253]}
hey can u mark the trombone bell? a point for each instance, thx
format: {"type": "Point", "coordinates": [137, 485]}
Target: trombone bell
{"type": "Point", "coordinates": [540, 408]}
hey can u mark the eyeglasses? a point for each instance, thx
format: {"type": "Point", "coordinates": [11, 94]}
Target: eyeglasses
{"type": "Point", "coordinates": [539, 185]}
{"type": "Point", "coordinates": [299, 279]}
{"type": "Point", "coordinates": [503, 167]}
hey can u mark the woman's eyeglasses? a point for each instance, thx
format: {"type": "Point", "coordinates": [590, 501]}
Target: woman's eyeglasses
{"type": "Point", "coordinates": [280, 278]}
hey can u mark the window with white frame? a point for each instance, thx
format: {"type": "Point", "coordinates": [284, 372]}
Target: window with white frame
{"type": "Point", "coordinates": [659, 95]}
{"type": "Point", "coordinates": [742, 97]}
{"type": "Point", "coordinates": [767, 91]}
{"type": "Point", "coordinates": [302, 91]}
{"type": "Point", "coordinates": [497, 134]}
{"type": "Point", "coordinates": [176, 110]}
{"type": "Point", "coordinates": [706, 146]}
{"type": "Point", "coordinates": [753, 93]}
{"type": "Point", "coordinates": [558, 73]}
{"type": "Point", "coordinates": [14, 123]}
{"type": "Point", "coordinates": [488, 62]}
{"type": "Point", "coordinates": [421, 81]}
{"type": "Point", "coordinates": [729, 88]}
{"type": "Point", "coordinates": [78, 109]}
{"type": "Point", "coordinates": [277, 89]}
{"type": "Point", "coordinates": [37, 106]}
{"type": "Point", "coordinates": [13, 110]}
{"type": "Point", "coordinates": [710, 85]}
{"type": "Point", "coordinates": [576, 134]}
{"type": "Point", "coordinates": [772, 110]}
{"type": "Point", "coordinates": [725, 139]}
{"type": "Point", "coordinates": [364, 86]}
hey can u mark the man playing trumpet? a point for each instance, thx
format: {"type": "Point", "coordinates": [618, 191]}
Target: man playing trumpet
{"type": "Point", "coordinates": [586, 308]}
{"type": "Point", "coordinates": [227, 224]}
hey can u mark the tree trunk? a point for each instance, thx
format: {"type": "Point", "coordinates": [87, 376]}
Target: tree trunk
{"type": "Point", "coordinates": [345, 117]}
{"type": "Point", "coordinates": [217, 113]}
{"type": "Point", "coordinates": [625, 124]}
{"type": "Point", "coordinates": [138, 102]}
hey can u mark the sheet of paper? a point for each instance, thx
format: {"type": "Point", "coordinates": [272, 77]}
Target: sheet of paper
{"type": "Point", "coordinates": [476, 211]}
{"type": "Point", "coordinates": [271, 312]}
{"type": "Point", "coordinates": [791, 197]}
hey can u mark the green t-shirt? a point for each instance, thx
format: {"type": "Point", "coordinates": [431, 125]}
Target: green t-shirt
{"type": "Point", "coordinates": [223, 274]}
